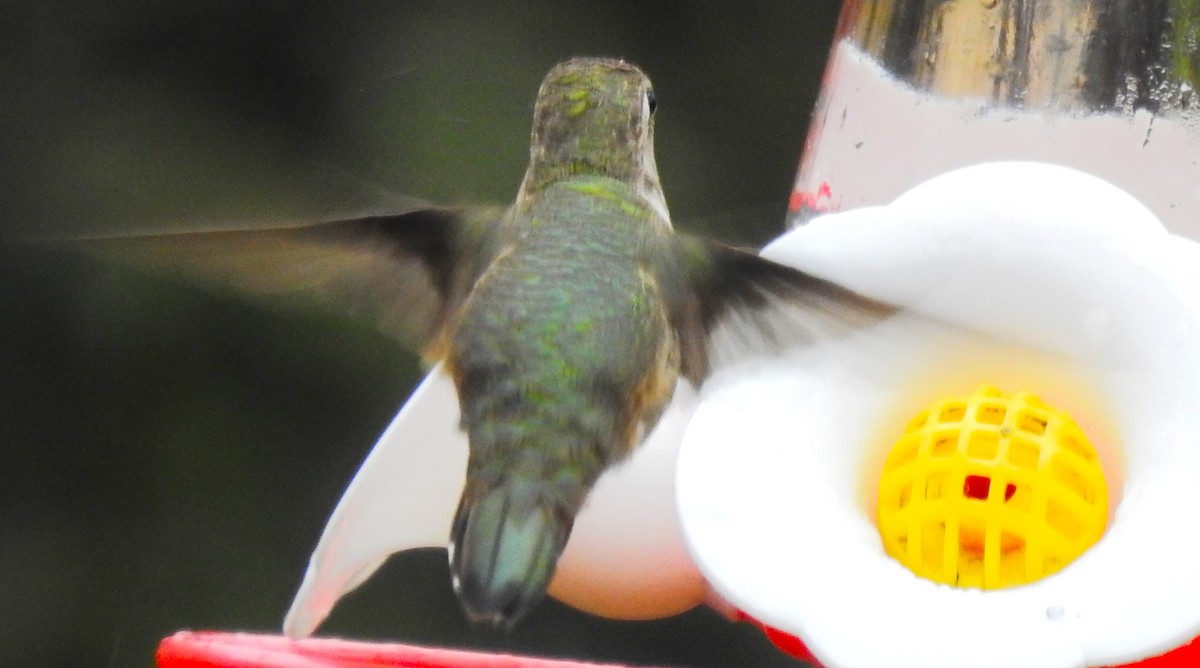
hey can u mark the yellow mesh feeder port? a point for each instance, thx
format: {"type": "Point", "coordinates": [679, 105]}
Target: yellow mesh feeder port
{"type": "Point", "coordinates": [990, 491]}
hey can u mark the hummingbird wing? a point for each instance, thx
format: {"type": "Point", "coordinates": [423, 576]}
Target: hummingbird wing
{"type": "Point", "coordinates": [738, 301]}
{"type": "Point", "coordinates": [404, 272]}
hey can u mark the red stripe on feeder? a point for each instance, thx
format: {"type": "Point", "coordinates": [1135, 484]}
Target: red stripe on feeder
{"type": "Point", "coordinates": [818, 201]}
{"type": "Point", "coordinates": [213, 649]}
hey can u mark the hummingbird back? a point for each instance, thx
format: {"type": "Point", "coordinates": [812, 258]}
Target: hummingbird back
{"type": "Point", "coordinates": [562, 355]}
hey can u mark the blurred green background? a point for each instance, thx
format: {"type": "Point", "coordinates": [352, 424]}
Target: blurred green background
{"type": "Point", "coordinates": [168, 457]}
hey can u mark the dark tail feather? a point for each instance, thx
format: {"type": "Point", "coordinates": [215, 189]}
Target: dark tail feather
{"type": "Point", "coordinates": [504, 547]}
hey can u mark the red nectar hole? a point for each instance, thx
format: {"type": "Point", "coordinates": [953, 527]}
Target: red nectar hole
{"type": "Point", "coordinates": [978, 487]}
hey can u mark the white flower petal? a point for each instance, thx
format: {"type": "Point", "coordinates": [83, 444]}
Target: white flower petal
{"type": "Point", "coordinates": [777, 466]}
{"type": "Point", "coordinates": [402, 497]}
{"type": "Point", "coordinates": [999, 247]}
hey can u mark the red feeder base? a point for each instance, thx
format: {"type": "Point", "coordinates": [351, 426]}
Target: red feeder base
{"type": "Point", "coordinates": [212, 649]}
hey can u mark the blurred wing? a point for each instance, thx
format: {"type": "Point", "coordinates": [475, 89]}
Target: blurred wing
{"type": "Point", "coordinates": [403, 497]}
{"type": "Point", "coordinates": [404, 272]}
{"type": "Point", "coordinates": [739, 301]}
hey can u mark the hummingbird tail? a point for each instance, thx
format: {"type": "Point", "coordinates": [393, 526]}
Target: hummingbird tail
{"type": "Point", "coordinates": [504, 546]}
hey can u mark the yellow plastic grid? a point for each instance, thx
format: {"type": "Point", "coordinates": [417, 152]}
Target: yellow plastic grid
{"type": "Point", "coordinates": [990, 491]}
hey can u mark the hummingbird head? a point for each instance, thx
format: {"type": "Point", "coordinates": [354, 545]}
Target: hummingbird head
{"type": "Point", "coordinates": [595, 116]}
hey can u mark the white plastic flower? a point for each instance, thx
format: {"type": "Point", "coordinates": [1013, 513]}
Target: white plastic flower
{"type": "Point", "coordinates": [1019, 275]}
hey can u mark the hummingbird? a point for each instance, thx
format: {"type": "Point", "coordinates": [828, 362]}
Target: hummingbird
{"type": "Point", "coordinates": [565, 319]}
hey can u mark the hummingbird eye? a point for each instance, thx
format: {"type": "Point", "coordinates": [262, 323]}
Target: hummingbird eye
{"type": "Point", "coordinates": [651, 103]}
